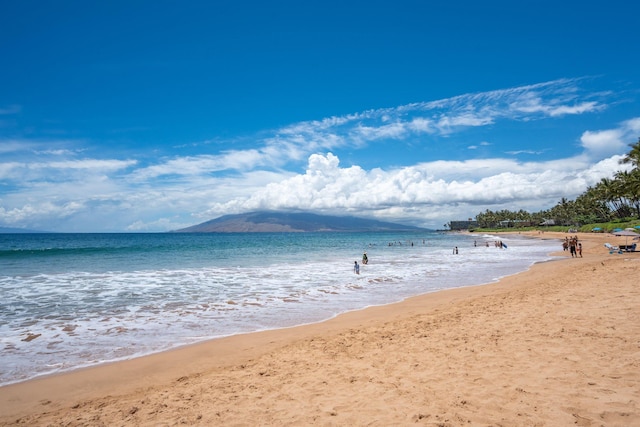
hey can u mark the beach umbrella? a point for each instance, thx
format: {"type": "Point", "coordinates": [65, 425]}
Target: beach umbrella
{"type": "Point", "coordinates": [637, 226]}
{"type": "Point", "coordinates": [615, 230]}
{"type": "Point", "coordinates": [598, 228]}
{"type": "Point", "coordinates": [626, 234]}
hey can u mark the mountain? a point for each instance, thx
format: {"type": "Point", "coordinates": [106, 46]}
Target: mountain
{"type": "Point", "coordinates": [269, 222]}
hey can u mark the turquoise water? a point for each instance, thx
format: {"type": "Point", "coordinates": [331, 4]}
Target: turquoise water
{"type": "Point", "coordinates": [72, 300]}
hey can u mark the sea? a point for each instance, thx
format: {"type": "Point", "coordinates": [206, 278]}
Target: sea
{"type": "Point", "coordinates": [69, 301]}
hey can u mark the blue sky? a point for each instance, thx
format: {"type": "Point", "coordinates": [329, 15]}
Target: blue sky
{"type": "Point", "coordinates": [152, 116]}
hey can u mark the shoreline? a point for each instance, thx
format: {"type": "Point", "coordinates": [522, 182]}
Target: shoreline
{"type": "Point", "coordinates": [240, 335]}
{"type": "Point", "coordinates": [136, 347]}
{"type": "Point", "coordinates": [267, 369]}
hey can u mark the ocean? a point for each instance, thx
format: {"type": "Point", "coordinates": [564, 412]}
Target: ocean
{"type": "Point", "coordinates": [74, 300]}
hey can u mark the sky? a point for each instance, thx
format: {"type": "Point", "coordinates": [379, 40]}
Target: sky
{"type": "Point", "coordinates": [141, 116]}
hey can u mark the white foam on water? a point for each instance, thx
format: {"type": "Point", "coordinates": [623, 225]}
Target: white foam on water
{"type": "Point", "coordinates": [55, 322]}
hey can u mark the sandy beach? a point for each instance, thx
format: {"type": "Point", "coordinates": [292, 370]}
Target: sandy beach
{"type": "Point", "coordinates": [556, 345]}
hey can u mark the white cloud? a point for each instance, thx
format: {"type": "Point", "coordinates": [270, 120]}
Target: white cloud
{"type": "Point", "coordinates": [443, 117]}
{"type": "Point", "coordinates": [91, 164]}
{"type": "Point", "coordinates": [388, 130]}
{"type": "Point", "coordinates": [632, 128]}
{"type": "Point", "coordinates": [39, 212]}
{"type": "Point", "coordinates": [12, 146]}
{"type": "Point", "coordinates": [516, 152]}
{"type": "Point", "coordinates": [482, 144]}
{"type": "Point", "coordinates": [204, 164]}
{"type": "Point", "coordinates": [19, 146]}
{"type": "Point", "coordinates": [468, 119]}
{"type": "Point", "coordinates": [419, 192]}
{"type": "Point", "coordinates": [585, 107]}
{"type": "Point", "coordinates": [602, 143]}
{"type": "Point", "coordinates": [159, 224]}
{"type": "Point", "coordinates": [58, 152]}
{"type": "Point", "coordinates": [28, 172]}
{"type": "Point", "coordinates": [427, 194]}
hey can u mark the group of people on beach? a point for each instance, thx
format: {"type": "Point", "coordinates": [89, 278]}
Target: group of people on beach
{"type": "Point", "coordinates": [572, 245]}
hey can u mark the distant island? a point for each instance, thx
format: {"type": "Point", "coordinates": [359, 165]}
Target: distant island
{"type": "Point", "coordinates": [273, 222]}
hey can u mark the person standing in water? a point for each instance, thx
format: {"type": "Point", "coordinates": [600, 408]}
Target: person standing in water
{"type": "Point", "coordinates": [356, 267]}
{"type": "Point", "coordinates": [365, 259]}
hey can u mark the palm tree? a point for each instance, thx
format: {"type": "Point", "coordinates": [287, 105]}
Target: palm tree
{"type": "Point", "coordinates": [487, 219]}
{"type": "Point", "coordinates": [630, 188]}
{"type": "Point", "coordinates": [591, 206]}
{"type": "Point", "coordinates": [633, 156]}
{"type": "Point", "coordinates": [611, 193]}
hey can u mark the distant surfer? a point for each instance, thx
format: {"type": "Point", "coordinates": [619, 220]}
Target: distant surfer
{"type": "Point", "coordinates": [356, 267]}
{"type": "Point", "coordinates": [365, 259]}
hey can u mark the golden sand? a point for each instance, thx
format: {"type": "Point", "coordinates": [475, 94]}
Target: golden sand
{"type": "Point", "coordinates": [558, 345]}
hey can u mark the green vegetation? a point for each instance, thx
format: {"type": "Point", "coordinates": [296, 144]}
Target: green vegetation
{"type": "Point", "coordinates": [612, 203]}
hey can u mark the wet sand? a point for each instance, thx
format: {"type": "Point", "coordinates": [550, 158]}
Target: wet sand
{"type": "Point", "coordinates": [556, 345]}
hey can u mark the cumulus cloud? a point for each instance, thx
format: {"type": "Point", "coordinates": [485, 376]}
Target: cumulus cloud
{"type": "Point", "coordinates": [420, 191]}
{"type": "Point", "coordinates": [602, 142]}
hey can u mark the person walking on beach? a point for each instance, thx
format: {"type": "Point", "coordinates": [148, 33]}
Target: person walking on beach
{"type": "Point", "coordinates": [573, 243]}
{"type": "Point", "coordinates": [580, 249]}
{"type": "Point", "coordinates": [356, 267]}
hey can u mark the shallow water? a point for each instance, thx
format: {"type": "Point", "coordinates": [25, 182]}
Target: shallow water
{"type": "Point", "coordinates": [72, 300]}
